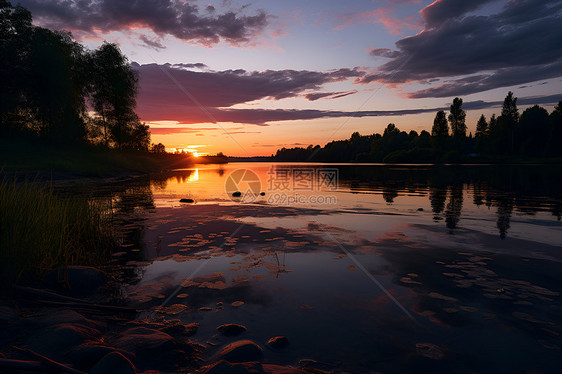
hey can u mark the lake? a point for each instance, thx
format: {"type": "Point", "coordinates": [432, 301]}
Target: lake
{"type": "Point", "coordinates": [364, 268]}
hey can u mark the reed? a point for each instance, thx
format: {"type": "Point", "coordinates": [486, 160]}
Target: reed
{"type": "Point", "coordinates": [40, 231]}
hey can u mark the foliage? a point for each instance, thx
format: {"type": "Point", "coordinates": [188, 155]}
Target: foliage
{"type": "Point", "coordinates": [49, 81]}
{"type": "Point", "coordinates": [457, 118]}
{"type": "Point", "coordinates": [440, 126]}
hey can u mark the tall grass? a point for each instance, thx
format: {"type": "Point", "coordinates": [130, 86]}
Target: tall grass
{"type": "Point", "coordinates": [40, 231]}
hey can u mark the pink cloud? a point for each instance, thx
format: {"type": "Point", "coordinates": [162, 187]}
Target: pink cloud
{"type": "Point", "coordinates": [394, 25]}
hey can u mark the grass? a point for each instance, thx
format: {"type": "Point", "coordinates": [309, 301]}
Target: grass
{"type": "Point", "coordinates": [40, 231]}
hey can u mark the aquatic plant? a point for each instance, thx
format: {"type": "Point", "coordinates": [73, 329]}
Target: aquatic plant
{"type": "Point", "coordinates": [40, 231]}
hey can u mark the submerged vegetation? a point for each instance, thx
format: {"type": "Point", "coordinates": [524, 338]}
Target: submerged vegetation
{"type": "Point", "coordinates": [41, 231]}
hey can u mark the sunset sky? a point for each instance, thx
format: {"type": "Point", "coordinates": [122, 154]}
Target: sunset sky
{"type": "Point", "coordinates": [247, 78]}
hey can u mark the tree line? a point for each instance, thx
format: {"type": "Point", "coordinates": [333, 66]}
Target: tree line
{"type": "Point", "coordinates": [509, 136]}
{"type": "Point", "coordinates": [56, 89]}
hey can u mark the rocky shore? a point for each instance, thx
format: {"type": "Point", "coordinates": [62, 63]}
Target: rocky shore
{"type": "Point", "coordinates": [77, 327]}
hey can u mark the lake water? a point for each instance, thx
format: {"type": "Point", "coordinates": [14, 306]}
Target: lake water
{"type": "Point", "coordinates": [365, 268]}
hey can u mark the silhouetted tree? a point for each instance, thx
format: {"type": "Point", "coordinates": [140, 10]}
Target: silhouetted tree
{"type": "Point", "coordinates": [533, 131]}
{"type": "Point", "coordinates": [158, 148]}
{"type": "Point", "coordinates": [440, 127]}
{"type": "Point", "coordinates": [553, 147]}
{"type": "Point", "coordinates": [481, 127]}
{"type": "Point", "coordinates": [113, 92]}
{"type": "Point", "coordinates": [457, 118]}
{"type": "Point", "coordinates": [507, 123]}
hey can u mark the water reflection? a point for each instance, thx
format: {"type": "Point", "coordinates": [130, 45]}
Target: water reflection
{"type": "Point", "coordinates": [506, 189]}
{"type": "Point", "coordinates": [477, 298]}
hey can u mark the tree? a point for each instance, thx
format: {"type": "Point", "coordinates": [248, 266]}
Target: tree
{"type": "Point", "coordinates": [555, 132]}
{"type": "Point", "coordinates": [113, 92]}
{"type": "Point", "coordinates": [533, 130]}
{"type": "Point", "coordinates": [509, 108]}
{"type": "Point", "coordinates": [508, 121]}
{"type": "Point", "coordinates": [158, 148]}
{"type": "Point", "coordinates": [440, 127]}
{"type": "Point", "coordinates": [457, 118]}
{"type": "Point", "coordinates": [15, 39]}
{"type": "Point", "coordinates": [481, 127]}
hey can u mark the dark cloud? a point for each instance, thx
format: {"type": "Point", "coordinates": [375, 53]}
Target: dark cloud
{"type": "Point", "coordinates": [500, 78]}
{"type": "Point", "coordinates": [197, 65]}
{"type": "Point", "coordinates": [384, 52]}
{"type": "Point", "coordinates": [151, 43]}
{"type": "Point", "coordinates": [443, 10]}
{"type": "Point", "coordinates": [159, 94]}
{"type": "Point", "coordinates": [517, 45]}
{"type": "Point", "coordinates": [330, 95]}
{"type": "Point", "coordinates": [181, 19]}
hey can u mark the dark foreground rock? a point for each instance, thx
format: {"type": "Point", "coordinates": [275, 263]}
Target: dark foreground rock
{"type": "Point", "coordinates": [153, 348]}
{"type": "Point", "coordinates": [241, 351]}
{"type": "Point", "coordinates": [231, 329]}
{"type": "Point", "coordinates": [278, 342]}
{"type": "Point", "coordinates": [114, 363]}
{"type": "Point", "coordinates": [87, 355]}
{"type": "Point", "coordinates": [224, 367]}
{"type": "Point", "coordinates": [56, 340]}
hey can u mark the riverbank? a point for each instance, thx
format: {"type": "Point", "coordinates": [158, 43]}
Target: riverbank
{"type": "Point", "coordinates": [58, 314]}
{"type": "Point", "coordinates": [31, 157]}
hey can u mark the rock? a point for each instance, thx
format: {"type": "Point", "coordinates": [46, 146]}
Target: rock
{"type": "Point", "coordinates": [57, 339]}
{"type": "Point", "coordinates": [315, 366]}
{"type": "Point", "coordinates": [142, 339]}
{"type": "Point", "coordinates": [154, 349]}
{"type": "Point", "coordinates": [187, 201]}
{"type": "Point", "coordinates": [429, 350]}
{"type": "Point", "coordinates": [224, 367]}
{"type": "Point", "coordinates": [278, 342]}
{"type": "Point", "coordinates": [241, 351]}
{"type": "Point", "coordinates": [231, 329]}
{"type": "Point", "coordinates": [80, 281]}
{"type": "Point", "coordinates": [276, 369]}
{"type": "Point", "coordinates": [114, 363]}
{"type": "Point", "coordinates": [181, 329]}
{"type": "Point", "coordinates": [191, 328]}
{"type": "Point", "coordinates": [87, 355]}
{"type": "Point", "coordinates": [237, 194]}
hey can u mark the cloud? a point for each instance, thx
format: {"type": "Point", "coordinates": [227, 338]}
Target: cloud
{"type": "Point", "coordinates": [517, 45]}
{"type": "Point", "coordinates": [330, 95]}
{"type": "Point", "coordinates": [500, 78]}
{"type": "Point", "coordinates": [380, 15]}
{"type": "Point", "coordinates": [443, 10]}
{"type": "Point", "coordinates": [384, 52]}
{"type": "Point", "coordinates": [179, 18]}
{"type": "Point", "coordinates": [151, 42]}
{"type": "Point", "coordinates": [262, 117]}
{"type": "Point", "coordinates": [160, 98]}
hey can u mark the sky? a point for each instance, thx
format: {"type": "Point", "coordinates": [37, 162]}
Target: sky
{"type": "Point", "coordinates": [247, 78]}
